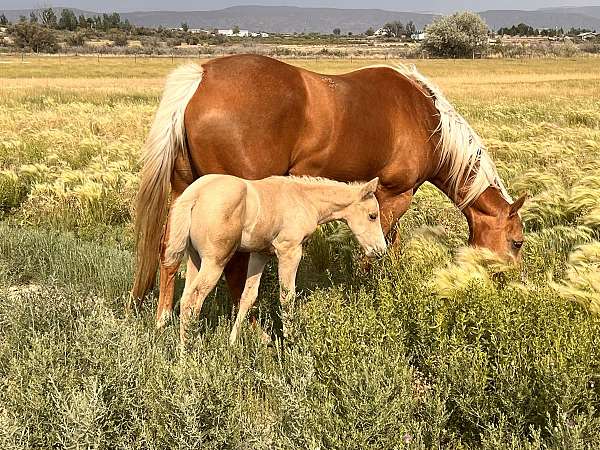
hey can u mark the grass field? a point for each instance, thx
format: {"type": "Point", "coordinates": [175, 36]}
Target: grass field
{"type": "Point", "coordinates": [427, 350]}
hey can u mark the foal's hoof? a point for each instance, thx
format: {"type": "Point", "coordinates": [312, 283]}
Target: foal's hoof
{"type": "Point", "coordinates": [265, 338]}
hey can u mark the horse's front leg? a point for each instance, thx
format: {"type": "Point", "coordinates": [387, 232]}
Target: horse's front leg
{"type": "Point", "coordinates": [392, 206]}
{"type": "Point", "coordinates": [289, 260]}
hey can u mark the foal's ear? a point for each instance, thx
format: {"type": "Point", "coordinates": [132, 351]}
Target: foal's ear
{"type": "Point", "coordinates": [368, 190]}
{"type": "Point", "coordinates": [516, 206]}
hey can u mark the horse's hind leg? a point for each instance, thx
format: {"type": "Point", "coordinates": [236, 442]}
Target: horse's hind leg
{"type": "Point", "coordinates": [235, 275]}
{"type": "Point", "coordinates": [164, 310]}
{"type": "Point", "coordinates": [256, 267]}
{"type": "Point", "coordinates": [195, 293]}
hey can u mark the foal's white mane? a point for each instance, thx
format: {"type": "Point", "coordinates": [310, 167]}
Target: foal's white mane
{"type": "Point", "coordinates": [306, 179]}
{"type": "Point", "coordinates": [460, 146]}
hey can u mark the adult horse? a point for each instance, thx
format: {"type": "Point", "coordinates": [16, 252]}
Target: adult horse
{"type": "Point", "coordinates": [253, 116]}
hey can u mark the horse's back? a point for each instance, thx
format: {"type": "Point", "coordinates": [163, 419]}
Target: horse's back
{"type": "Point", "coordinates": [254, 116]}
{"type": "Point", "coordinates": [245, 116]}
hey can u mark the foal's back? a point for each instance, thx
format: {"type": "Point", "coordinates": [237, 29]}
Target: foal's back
{"type": "Point", "coordinates": [230, 214]}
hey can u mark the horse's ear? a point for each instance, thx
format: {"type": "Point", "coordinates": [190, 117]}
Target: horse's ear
{"type": "Point", "coordinates": [368, 190]}
{"type": "Point", "coordinates": [516, 206]}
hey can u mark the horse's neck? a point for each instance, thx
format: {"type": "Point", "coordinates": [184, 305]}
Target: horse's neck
{"type": "Point", "coordinates": [327, 200]}
{"type": "Point", "coordinates": [490, 203]}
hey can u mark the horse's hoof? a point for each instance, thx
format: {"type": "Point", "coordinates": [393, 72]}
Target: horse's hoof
{"type": "Point", "coordinates": [164, 320]}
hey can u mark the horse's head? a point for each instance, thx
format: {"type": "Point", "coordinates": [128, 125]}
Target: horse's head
{"type": "Point", "coordinates": [495, 224]}
{"type": "Point", "coordinates": [362, 217]}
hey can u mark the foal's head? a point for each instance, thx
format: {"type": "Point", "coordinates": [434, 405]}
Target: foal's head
{"type": "Point", "coordinates": [362, 216]}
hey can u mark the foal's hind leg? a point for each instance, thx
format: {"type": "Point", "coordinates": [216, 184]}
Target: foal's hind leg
{"type": "Point", "coordinates": [255, 270]}
{"type": "Point", "coordinates": [194, 294]}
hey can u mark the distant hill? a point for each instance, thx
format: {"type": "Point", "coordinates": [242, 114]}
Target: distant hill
{"type": "Point", "coordinates": [280, 19]}
{"type": "Point", "coordinates": [540, 19]}
{"type": "Point", "coordinates": [592, 11]}
{"type": "Point", "coordinates": [289, 19]}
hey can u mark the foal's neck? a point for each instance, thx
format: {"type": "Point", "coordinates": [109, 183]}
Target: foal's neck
{"type": "Point", "coordinates": [328, 200]}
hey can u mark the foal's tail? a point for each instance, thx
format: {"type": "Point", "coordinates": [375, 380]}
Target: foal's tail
{"type": "Point", "coordinates": [165, 141]}
{"type": "Point", "coordinates": [180, 223]}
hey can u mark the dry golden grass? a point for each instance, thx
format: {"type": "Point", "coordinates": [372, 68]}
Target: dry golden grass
{"type": "Point", "coordinates": [71, 129]}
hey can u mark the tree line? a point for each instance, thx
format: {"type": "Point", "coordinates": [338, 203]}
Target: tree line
{"type": "Point", "coordinates": [523, 29]}
{"type": "Point", "coordinates": [69, 21]}
{"type": "Point", "coordinates": [459, 35]}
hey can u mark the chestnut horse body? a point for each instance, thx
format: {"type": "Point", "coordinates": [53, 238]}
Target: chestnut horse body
{"type": "Point", "coordinates": [253, 117]}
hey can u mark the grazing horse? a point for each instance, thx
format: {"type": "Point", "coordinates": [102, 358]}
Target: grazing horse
{"type": "Point", "coordinates": [253, 117]}
{"type": "Point", "coordinates": [219, 215]}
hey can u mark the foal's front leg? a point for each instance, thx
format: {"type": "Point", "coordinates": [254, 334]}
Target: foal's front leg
{"type": "Point", "coordinates": [289, 260]}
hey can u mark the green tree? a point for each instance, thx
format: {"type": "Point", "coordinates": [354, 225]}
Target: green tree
{"type": "Point", "coordinates": [34, 37]}
{"type": "Point", "coordinates": [370, 31]}
{"type": "Point", "coordinates": [76, 39]}
{"type": "Point", "coordinates": [395, 29]}
{"type": "Point", "coordinates": [184, 26]}
{"type": "Point", "coordinates": [337, 31]}
{"type": "Point", "coordinates": [236, 30]}
{"type": "Point", "coordinates": [3, 20]}
{"type": "Point", "coordinates": [521, 29]}
{"type": "Point", "coordinates": [457, 36]}
{"type": "Point", "coordinates": [48, 18]}
{"type": "Point", "coordinates": [410, 28]}
{"type": "Point", "coordinates": [82, 22]}
{"type": "Point", "coordinates": [68, 20]}
{"type": "Point", "coordinates": [33, 18]}
{"type": "Point", "coordinates": [192, 39]}
{"type": "Point", "coordinates": [119, 39]}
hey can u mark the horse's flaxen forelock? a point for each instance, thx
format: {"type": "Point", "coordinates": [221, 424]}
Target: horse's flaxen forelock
{"type": "Point", "coordinates": [470, 168]}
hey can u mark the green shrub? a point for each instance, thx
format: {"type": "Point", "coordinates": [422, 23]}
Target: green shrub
{"type": "Point", "coordinates": [378, 362]}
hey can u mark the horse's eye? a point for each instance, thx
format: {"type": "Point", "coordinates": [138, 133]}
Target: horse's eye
{"type": "Point", "coordinates": [517, 244]}
{"type": "Point", "coordinates": [373, 217]}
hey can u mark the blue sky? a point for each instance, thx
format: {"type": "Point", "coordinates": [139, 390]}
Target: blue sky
{"type": "Point", "coordinates": [397, 5]}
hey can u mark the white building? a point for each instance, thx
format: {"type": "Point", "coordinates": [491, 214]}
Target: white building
{"type": "Point", "coordinates": [587, 35]}
{"type": "Point", "coordinates": [242, 33]}
{"type": "Point", "coordinates": [382, 32]}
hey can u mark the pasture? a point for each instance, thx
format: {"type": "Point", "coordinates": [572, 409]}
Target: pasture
{"type": "Point", "coordinates": [434, 347]}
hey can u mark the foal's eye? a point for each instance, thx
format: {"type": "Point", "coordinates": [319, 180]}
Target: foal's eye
{"type": "Point", "coordinates": [517, 244]}
{"type": "Point", "coordinates": [373, 216]}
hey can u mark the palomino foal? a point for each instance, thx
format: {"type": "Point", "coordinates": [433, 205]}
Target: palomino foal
{"type": "Point", "coordinates": [219, 215]}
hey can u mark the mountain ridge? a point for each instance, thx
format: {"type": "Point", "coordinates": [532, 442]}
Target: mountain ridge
{"type": "Point", "coordinates": [288, 19]}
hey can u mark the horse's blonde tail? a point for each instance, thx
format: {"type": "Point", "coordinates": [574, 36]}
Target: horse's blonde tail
{"type": "Point", "coordinates": [180, 223]}
{"type": "Point", "coordinates": [165, 141]}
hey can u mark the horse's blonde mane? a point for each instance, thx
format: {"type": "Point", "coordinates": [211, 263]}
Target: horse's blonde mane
{"type": "Point", "coordinates": [460, 147]}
